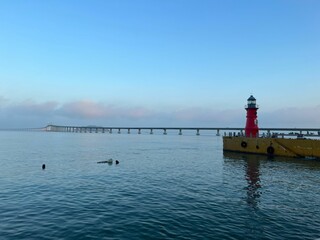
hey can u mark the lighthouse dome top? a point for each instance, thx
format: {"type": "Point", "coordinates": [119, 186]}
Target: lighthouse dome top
{"type": "Point", "coordinates": [251, 102]}
{"type": "Point", "coordinates": [251, 98]}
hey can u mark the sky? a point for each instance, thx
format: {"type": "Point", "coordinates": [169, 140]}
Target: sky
{"type": "Point", "coordinates": [157, 63]}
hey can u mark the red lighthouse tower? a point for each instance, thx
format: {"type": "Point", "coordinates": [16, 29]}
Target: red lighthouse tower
{"type": "Point", "coordinates": [252, 129]}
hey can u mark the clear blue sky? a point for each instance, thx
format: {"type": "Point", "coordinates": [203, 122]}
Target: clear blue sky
{"type": "Point", "coordinates": [159, 62]}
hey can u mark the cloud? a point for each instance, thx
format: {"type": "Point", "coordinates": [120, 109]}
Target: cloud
{"type": "Point", "coordinates": [31, 108]}
{"type": "Point", "coordinates": [27, 113]}
{"type": "Point", "coordinates": [292, 117]}
{"type": "Point", "coordinates": [83, 109]}
{"type": "Point", "coordinates": [30, 113]}
{"type": "Point", "coordinates": [210, 116]}
{"type": "Point", "coordinates": [88, 109]}
{"type": "Point", "coordinates": [3, 101]}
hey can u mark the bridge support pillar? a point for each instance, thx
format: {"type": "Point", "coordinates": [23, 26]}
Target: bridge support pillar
{"type": "Point", "coordinates": [139, 131]}
{"type": "Point", "coordinates": [164, 131]}
{"type": "Point", "coordinates": [218, 132]}
{"type": "Point", "coordinates": [180, 131]}
{"type": "Point", "coordinates": [119, 131]}
{"type": "Point", "coordinates": [151, 131]}
{"type": "Point", "coordinates": [198, 132]}
{"type": "Point", "coordinates": [128, 130]}
{"type": "Point", "coordinates": [110, 131]}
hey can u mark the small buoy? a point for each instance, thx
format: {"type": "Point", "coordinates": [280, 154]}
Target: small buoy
{"type": "Point", "coordinates": [117, 162]}
{"type": "Point", "coordinates": [43, 166]}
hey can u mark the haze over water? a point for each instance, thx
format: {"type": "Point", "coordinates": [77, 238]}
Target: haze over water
{"type": "Point", "coordinates": [165, 187]}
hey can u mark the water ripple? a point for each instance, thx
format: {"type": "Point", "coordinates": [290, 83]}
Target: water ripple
{"type": "Point", "coordinates": [165, 187]}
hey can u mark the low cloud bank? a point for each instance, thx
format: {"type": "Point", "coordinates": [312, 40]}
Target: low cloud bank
{"type": "Point", "coordinates": [292, 117]}
{"type": "Point", "coordinates": [86, 112]}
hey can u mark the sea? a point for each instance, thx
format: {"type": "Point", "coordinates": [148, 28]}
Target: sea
{"type": "Point", "coordinates": [164, 187]}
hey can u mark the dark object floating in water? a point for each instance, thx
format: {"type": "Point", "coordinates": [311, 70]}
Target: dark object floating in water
{"type": "Point", "coordinates": [117, 162]}
{"type": "Point", "coordinates": [109, 161]}
{"type": "Point", "coordinates": [43, 166]}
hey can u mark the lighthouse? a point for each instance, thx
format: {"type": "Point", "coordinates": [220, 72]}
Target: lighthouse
{"type": "Point", "coordinates": [252, 129]}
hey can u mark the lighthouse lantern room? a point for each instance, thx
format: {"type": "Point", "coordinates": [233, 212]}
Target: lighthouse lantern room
{"type": "Point", "coordinates": [252, 129]}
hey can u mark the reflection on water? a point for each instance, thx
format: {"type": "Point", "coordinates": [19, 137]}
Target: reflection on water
{"type": "Point", "coordinates": [309, 163]}
{"type": "Point", "coordinates": [252, 175]}
{"type": "Point", "coordinates": [250, 167]}
{"type": "Point", "coordinates": [253, 180]}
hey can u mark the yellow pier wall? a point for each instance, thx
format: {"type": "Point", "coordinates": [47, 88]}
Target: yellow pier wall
{"type": "Point", "coordinates": [274, 146]}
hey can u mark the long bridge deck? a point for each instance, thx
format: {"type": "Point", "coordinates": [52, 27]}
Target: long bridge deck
{"type": "Point", "coordinates": [98, 129]}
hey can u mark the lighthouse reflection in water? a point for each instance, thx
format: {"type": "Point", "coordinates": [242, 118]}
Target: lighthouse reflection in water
{"type": "Point", "coordinates": [253, 179]}
{"type": "Point", "coordinates": [251, 165]}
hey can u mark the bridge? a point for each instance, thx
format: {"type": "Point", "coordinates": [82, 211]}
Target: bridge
{"type": "Point", "coordinates": [24, 129]}
{"type": "Point", "coordinates": [179, 130]}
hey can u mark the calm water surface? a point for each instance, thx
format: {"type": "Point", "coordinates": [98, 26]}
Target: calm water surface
{"type": "Point", "coordinates": [165, 187]}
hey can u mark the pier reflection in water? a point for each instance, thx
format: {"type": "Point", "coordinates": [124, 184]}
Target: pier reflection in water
{"type": "Point", "coordinates": [271, 179]}
{"type": "Point", "coordinates": [253, 179]}
{"type": "Point", "coordinates": [251, 173]}
{"type": "Point", "coordinates": [279, 196]}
